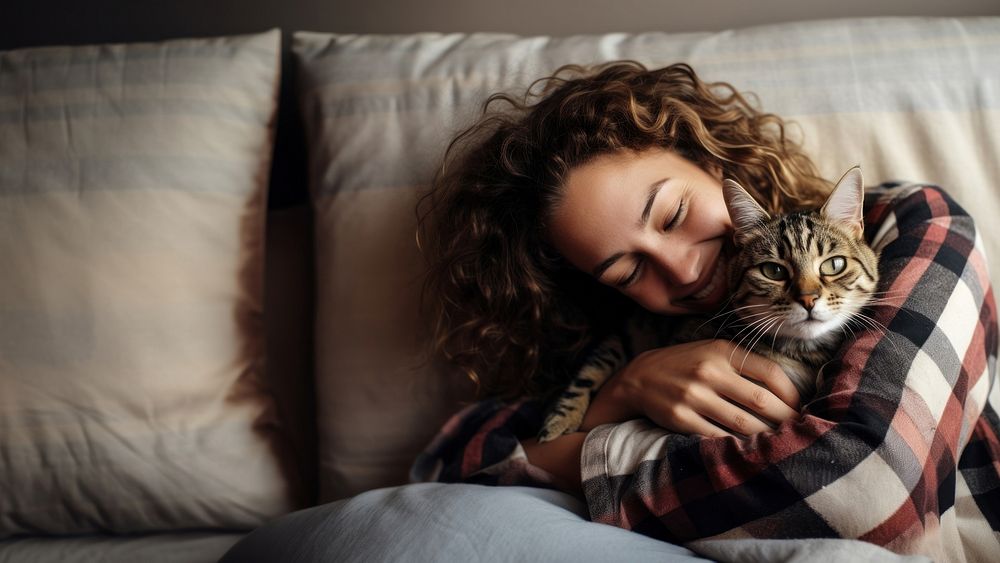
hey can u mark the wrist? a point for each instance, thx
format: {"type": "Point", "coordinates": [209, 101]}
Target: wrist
{"type": "Point", "coordinates": [610, 405]}
{"type": "Point", "coordinates": [560, 457]}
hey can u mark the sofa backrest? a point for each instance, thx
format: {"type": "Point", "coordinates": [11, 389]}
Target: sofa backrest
{"type": "Point", "coordinates": [908, 99]}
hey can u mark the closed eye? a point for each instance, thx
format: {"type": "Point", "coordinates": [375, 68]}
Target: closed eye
{"type": "Point", "coordinates": [631, 277]}
{"type": "Point", "coordinates": [675, 218]}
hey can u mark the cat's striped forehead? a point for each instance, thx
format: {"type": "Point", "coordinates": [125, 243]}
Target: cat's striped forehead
{"type": "Point", "coordinates": [801, 233]}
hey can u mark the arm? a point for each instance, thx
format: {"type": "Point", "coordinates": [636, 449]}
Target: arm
{"type": "Point", "coordinates": [874, 457]}
{"type": "Point", "coordinates": [894, 412]}
{"type": "Point", "coordinates": [704, 378]}
{"type": "Point", "coordinates": [560, 457]}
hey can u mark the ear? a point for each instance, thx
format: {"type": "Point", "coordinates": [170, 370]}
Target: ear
{"type": "Point", "coordinates": [845, 204]}
{"type": "Point", "coordinates": [743, 210]}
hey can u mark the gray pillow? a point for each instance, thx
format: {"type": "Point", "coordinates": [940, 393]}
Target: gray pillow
{"type": "Point", "coordinates": [458, 522]}
{"type": "Point", "coordinates": [442, 522]}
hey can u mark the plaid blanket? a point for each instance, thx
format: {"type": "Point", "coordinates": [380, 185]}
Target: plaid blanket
{"type": "Point", "coordinates": [900, 448]}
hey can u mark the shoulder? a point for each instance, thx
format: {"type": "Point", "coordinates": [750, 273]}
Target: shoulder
{"type": "Point", "coordinates": [897, 197]}
{"type": "Point", "coordinates": [895, 208]}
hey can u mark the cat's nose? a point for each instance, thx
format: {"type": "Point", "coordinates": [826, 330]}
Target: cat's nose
{"type": "Point", "coordinates": [808, 300]}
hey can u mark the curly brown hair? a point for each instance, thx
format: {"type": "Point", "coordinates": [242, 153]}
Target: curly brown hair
{"type": "Point", "coordinates": [507, 311]}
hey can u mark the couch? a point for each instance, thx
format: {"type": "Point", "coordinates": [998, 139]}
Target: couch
{"type": "Point", "coordinates": [181, 363]}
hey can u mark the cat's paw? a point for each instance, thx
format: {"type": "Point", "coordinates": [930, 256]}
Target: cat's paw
{"type": "Point", "coordinates": [565, 418]}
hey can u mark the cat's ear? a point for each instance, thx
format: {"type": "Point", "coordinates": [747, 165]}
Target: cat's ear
{"type": "Point", "coordinates": [845, 205]}
{"type": "Point", "coordinates": [743, 210]}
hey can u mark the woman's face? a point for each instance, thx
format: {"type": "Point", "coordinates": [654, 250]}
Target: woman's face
{"type": "Point", "coordinates": [652, 224]}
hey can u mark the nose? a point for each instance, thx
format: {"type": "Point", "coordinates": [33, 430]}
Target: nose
{"type": "Point", "coordinates": [807, 300]}
{"type": "Point", "coordinates": [679, 263]}
{"type": "Point", "coordinates": [806, 290]}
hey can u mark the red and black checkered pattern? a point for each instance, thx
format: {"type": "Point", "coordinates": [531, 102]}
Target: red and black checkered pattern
{"type": "Point", "coordinates": [900, 448]}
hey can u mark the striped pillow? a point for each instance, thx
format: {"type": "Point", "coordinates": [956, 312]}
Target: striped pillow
{"type": "Point", "coordinates": [915, 99]}
{"type": "Point", "coordinates": [132, 206]}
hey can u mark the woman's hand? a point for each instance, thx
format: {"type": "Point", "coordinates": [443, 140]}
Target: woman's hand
{"type": "Point", "coordinates": [685, 388]}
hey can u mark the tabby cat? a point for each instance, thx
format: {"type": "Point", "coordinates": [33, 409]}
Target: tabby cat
{"type": "Point", "coordinates": [797, 282]}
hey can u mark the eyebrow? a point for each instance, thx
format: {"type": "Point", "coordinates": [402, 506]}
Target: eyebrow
{"type": "Point", "coordinates": [652, 191]}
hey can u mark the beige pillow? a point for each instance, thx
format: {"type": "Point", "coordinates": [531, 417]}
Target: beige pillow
{"type": "Point", "coordinates": [915, 99]}
{"type": "Point", "coordinates": [132, 207]}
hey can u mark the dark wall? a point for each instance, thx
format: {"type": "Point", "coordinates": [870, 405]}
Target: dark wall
{"type": "Point", "coordinates": [26, 22]}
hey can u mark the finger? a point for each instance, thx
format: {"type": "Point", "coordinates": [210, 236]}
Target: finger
{"type": "Point", "coordinates": [705, 427]}
{"type": "Point", "coordinates": [690, 423]}
{"type": "Point", "coordinates": [732, 417]}
{"type": "Point", "coordinates": [759, 399]}
{"type": "Point", "coordinates": [767, 372]}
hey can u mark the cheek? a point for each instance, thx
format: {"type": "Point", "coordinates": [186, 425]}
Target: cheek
{"type": "Point", "coordinates": [651, 294]}
{"type": "Point", "coordinates": [753, 291]}
{"type": "Point", "coordinates": [716, 221]}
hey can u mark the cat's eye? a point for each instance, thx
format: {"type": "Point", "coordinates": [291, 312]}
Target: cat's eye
{"type": "Point", "coordinates": [774, 271]}
{"type": "Point", "coordinates": [833, 266]}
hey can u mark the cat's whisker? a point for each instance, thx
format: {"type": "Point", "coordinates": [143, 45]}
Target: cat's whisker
{"type": "Point", "coordinates": [736, 311]}
{"type": "Point", "coordinates": [751, 325]}
{"type": "Point", "coordinates": [865, 322]}
{"type": "Point", "coordinates": [881, 333]}
{"type": "Point", "coordinates": [880, 299]}
{"type": "Point", "coordinates": [872, 324]}
{"type": "Point", "coordinates": [860, 315]}
{"type": "Point", "coordinates": [763, 329]}
{"type": "Point", "coordinates": [728, 313]}
{"type": "Point", "coordinates": [886, 292]}
{"type": "Point", "coordinates": [774, 341]}
{"type": "Point", "coordinates": [847, 326]}
{"type": "Point", "coordinates": [897, 306]}
{"type": "Point", "coordinates": [761, 333]}
{"type": "Point", "coordinates": [754, 315]}
{"type": "Point", "coordinates": [747, 322]}
{"type": "Point", "coordinates": [725, 322]}
{"type": "Point", "coordinates": [896, 298]}
{"type": "Point", "coordinates": [752, 328]}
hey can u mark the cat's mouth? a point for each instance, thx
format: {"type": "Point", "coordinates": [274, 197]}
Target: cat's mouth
{"type": "Point", "coordinates": [811, 327]}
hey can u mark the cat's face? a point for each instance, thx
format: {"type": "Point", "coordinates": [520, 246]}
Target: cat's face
{"type": "Point", "coordinates": [801, 275]}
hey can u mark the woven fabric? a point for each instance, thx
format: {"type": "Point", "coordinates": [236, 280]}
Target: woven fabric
{"type": "Point", "coordinates": [900, 448]}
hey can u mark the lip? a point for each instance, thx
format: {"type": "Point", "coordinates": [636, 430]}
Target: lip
{"type": "Point", "coordinates": [707, 276]}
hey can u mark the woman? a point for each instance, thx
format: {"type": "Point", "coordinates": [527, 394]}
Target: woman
{"type": "Point", "coordinates": [550, 216]}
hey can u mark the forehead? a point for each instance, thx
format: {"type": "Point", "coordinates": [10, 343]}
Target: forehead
{"type": "Point", "coordinates": [796, 234]}
{"type": "Point", "coordinates": [602, 200]}
{"type": "Point", "coordinates": [600, 186]}
{"type": "Point", "coordinates": [606, 173]}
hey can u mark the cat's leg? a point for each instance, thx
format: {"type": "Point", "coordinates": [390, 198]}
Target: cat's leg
{"type": "Point", "coordinates": [566, 415]}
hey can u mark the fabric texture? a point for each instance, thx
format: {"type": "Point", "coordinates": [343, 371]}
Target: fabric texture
{"type": "Point", "coordinates": [478, 523]}
{"type": "Point", "coordinates": [190, 547]}
{"type": "Point", "coordinates": [900, 447]}
{"type": "Point", "coordinates": [436, 522]}
{"type": "Point", "coordinates": [132, 205]}
{"type": "Point", "coordinates": [911, 98]}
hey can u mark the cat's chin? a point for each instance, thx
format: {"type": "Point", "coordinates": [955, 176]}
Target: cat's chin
{"type": "Point", "coordinates": [810, 329]}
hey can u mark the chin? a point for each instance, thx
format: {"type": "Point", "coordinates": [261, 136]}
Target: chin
{"type": "Point", "coordinates": [810, 329]}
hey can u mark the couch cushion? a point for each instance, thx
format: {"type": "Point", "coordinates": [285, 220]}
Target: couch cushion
{"type": "Point", "coordinates": [915, 99]}
{"type": "Point", "coordinates": [191, 547]}
{"type": "Point", "coordinates": [132, 208]}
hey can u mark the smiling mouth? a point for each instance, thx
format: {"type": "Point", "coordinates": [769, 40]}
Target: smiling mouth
{"type": "Point", "coordinates": [718, 278]}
